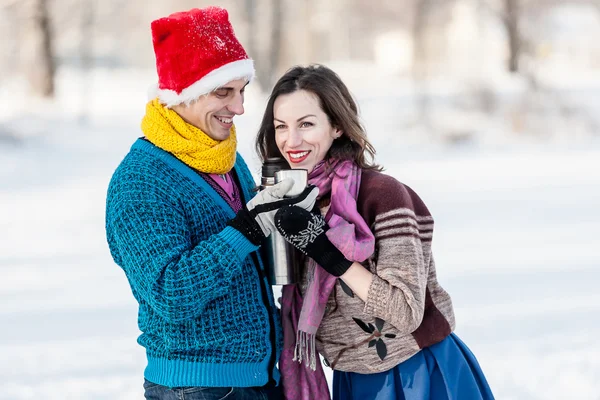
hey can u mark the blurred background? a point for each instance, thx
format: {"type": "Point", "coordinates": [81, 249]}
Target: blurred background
{"type": "Point", "coordinates": [489, 109]}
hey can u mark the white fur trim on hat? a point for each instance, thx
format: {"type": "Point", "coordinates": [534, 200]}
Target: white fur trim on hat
{"type": "Point", "coordinates": [241, 69]}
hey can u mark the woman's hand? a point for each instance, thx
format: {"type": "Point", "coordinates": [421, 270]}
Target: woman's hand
{"type": "Point", "coordinates": [306, 231]}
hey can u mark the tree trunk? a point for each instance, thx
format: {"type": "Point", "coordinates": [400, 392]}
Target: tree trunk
{"type": "Point", "coordinates": [86, 54]}
{"type": "Point", "coordinates": [252, 27]}
{"type": "Point", "coordinates": [268, 53]}
{"type": "Point", "coordinates": [275, 48]}
{"type": "Point", "coordinates": [420, 59]}
{"type": "Point", "coordinates": [514, 37]}
{"type": "Point", "coordinates": [37, 56]}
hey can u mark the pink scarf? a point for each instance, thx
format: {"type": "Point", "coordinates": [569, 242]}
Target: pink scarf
{"type": "Point", "coordinates": [301, 317]}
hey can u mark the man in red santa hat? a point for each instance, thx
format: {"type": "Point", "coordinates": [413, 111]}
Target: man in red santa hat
{"type": "Point", "coordinates": [184, 224]}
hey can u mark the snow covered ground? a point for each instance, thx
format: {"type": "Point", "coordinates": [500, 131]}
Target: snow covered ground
{"type": "Point", "coordinates": [516, 246]}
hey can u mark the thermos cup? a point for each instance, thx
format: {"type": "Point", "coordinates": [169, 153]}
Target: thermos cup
{"type": "Point", "coordinates": [284, 261]}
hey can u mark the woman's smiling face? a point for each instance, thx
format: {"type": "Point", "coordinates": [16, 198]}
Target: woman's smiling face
{"type": "Point", "coordinates": [303, 132]}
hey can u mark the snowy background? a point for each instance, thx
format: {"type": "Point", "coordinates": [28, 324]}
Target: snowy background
{"type": "Point", "coordinates": [516, 246]}
{"type": "Point", "coordinates": [514, 190]}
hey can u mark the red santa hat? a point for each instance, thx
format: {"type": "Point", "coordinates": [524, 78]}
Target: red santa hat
{"type": "Point", "coordinates": [196, 52]}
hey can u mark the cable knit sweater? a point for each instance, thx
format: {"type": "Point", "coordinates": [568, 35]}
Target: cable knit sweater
{"type": "Point", "coordinates": [206, 312]}
{"type": "Point", "coordinates": [406, 308]}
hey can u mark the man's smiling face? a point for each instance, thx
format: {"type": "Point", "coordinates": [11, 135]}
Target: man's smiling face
{"type": "Point", "coordinates": [213, 113]}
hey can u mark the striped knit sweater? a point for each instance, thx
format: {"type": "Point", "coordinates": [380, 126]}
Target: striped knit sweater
{"type": "Point", "coordinates": [206, 311]}
{"type": "Point", "coordinates": [406, 308]}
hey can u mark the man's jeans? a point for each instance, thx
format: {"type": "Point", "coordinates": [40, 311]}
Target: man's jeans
{"type": "Point", "coordinates": [153, 391]}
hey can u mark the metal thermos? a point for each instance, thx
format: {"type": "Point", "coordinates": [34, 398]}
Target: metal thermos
{"type": "Point", "coordinates": [284, 261]}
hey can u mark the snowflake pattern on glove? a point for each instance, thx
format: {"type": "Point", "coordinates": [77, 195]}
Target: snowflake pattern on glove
{"type": "Point", "coordinates": [308, 235]}
{"type": "Point", "coordinates": [307, 232]}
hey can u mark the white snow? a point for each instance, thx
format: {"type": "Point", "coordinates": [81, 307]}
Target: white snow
{"type": "Point", "coordinates": [516, 245]}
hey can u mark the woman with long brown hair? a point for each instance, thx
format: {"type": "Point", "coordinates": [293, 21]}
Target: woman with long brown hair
{"type": "Point", "coordinates": [370, 302]}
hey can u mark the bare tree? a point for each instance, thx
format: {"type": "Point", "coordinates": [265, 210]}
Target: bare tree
{"type": "Point", "coordinates": [423, 9]}
{"type": "Point", "coordinates": [276, 43]}
{"type": "Point", "coordinates": [86, 53]}
{"type": "Point", "coordinates": [511, 21]}
{"type": "Point", "coordinates": [251, 13]}
{"type": "Point", "coordinates": [37, 55]}
{"type": "Point", "coordinates": [267, 56]}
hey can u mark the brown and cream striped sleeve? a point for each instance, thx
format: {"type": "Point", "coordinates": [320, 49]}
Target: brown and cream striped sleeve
{"type": "Point", "coordinates": [403, 229]}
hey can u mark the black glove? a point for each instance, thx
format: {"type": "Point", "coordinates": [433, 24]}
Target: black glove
{"type": "Point", "coordinates": [255, 221]}
{"type": "Point", "coordinates": [306, 231]}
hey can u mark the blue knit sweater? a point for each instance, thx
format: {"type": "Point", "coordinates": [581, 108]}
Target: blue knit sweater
{"type": "Point", "coordinates": [206, 311]}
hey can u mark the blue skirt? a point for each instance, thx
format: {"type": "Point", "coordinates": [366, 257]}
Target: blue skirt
{"type": "Point", "coordinates": [446, 370]}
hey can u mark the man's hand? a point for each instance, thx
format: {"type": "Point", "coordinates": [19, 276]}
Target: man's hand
{"type": "Point", "coordinates": [256, 220]}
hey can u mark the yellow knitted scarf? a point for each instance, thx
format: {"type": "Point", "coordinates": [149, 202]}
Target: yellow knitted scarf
{"type": "Point", "coordinates": [167, 130]}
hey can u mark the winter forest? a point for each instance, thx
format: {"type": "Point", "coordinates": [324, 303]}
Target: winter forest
{"type": "Point", "coordinates": [489, 109]}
